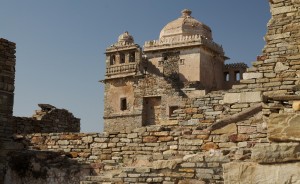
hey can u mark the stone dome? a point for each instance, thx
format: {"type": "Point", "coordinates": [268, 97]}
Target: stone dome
{"type": "Point", "coordinates": [185, 25]}
{"type": "Point", "coordinates": [126, 38]}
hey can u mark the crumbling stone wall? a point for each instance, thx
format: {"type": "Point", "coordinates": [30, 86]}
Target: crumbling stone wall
{"type": "Point", "coordinates": [7, 69]}
{"type": "Point", "coordinates": [36, 167]}
{"type": "Point", "coordinates": [276, 75]}
{"type": "Point", "coordinates": [158, 153]}
{"type": "Point", "coordinates": [200, 143]}
{"type": "Point", "coordinates": [47, 120]}
{"type": "Point", "coordinates": [7, 79]}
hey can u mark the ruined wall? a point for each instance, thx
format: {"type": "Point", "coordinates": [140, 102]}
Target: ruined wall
{"type": "Point", "coordinates": [276, 75]}
{"type": "Point", "coordinates": [36, 167]}
{"type": "Point", "coordinates": [55, 120]}
{"type": "Point", "coordinates": [7, 79]}
{"type": "Point", "coordinates": [259, 147]}
{"type": "Point", "coordinates": [46, 121]}
{"type": "Point", "coordinates": [7, 69]}
{"type": "Point", "coordinates": [158, 153]}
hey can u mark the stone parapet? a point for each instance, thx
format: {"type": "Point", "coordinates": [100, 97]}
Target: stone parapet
{"type": "Point", "coordinates": [181, 41]}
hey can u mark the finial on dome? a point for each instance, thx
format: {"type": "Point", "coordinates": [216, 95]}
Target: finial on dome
{"type": "Point", "coordinates": [186, 13]}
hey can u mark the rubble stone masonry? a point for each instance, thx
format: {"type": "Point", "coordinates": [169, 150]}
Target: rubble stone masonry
{"type": "Point", "coordinates": [248, 134]}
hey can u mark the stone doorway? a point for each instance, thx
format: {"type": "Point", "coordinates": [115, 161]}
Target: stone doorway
{"type": "Point", "coordinates": [151, 110]}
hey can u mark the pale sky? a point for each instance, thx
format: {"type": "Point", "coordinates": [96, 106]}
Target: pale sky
{"type": "Point", "coordinates": [61, 43]}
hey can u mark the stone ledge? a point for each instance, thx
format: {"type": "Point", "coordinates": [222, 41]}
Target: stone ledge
{"type": "Point", "coordinates": [244, 97]}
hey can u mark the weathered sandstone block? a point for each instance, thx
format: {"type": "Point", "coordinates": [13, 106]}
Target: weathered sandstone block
{"type": "Point", "coordinates": [244, 97]}
{"type": "Point", "coordinates": [248, 173]}
{"type": "Point", "coordinates": [252, 75]}
{"type": "Point", "coordinates": [284, 127]}
{"type": "Point", "coordinates": [296, 105]}
{"type": "Point", "coordinates": [275, 153]}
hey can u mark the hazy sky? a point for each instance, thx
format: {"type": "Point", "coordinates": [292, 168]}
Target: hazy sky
{"type": "Point", "coordinates": [61, 43]}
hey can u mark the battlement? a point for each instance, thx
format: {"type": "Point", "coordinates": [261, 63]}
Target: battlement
{"type": "Point", "coordinates": [235, 65]}
{"type": "Point", "coordinates": [181, 41]}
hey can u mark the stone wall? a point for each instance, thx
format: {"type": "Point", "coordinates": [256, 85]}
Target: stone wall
{"type": "Point", "coordinates": [7, 76]}
{"type": "Point", "coordinates": [157, 153]}
{"type": "Point", "coordinates": [7, 79]}
{"type": "Point", "coordinates": [276, 75]}
{"type": "Point", "coordinates": [213, 138]}
{"type": "Point", "coordinates": [47, 121]}
{"type": "Point", "coordinates": [36, 167]}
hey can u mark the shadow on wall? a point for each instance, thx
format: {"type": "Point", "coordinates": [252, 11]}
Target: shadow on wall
{"type": "Point", "coordinates": [34, 167]}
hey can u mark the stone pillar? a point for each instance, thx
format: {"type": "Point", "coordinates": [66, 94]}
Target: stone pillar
{"type": "Point", "coordinates": [7, 80]}
{"type": "Point", "coordinates": [7, 76]}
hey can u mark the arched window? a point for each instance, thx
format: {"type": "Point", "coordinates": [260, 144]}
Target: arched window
{"type": "Point", "coordinates": [122, 58]}
{"type": "Point", "coordinates": [112, 60]}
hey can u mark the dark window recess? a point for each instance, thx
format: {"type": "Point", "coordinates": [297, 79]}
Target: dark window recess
{"type": "Point", "coordinates": [123, 104]}
{"type": "Point", "coordinates": [181, 61]}
{"type": "Point", "coordinates": [171, 110]}
{"type": "Point", "coordinates": [132, 57]}
{"type": "Point", "coordinates": [122, 58]}
{"type": "Point", "coordinates": [237, 76]}
{"type": "Point", "coordinates": [112, 59]}
{"type": "Point", "coordinates": [226, 76]}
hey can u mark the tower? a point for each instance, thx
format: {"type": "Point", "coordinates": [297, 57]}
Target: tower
{"type": "Point", "coordinates": [122, 72]}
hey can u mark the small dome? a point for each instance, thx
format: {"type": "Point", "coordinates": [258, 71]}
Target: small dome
{"type": "Point", "coordinates": [126, 38]}
{"type": "Point", "coordinates": [185, 25]}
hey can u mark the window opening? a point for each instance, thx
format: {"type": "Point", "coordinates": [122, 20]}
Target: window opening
{"type": "Point", "coordinates": [123, 104]}
{"type": "Point", "coordinates": [112, 59]}
{"type": "Point", "coordinates": [237, 75]}
{"type": "Point", "coordinates": [226, 76]}
{"type": "Point", "coordinates": [122, 58]}
{"type": "Point", "coordinates": [132, 57]}
{"type": "Point", "coordinates": [171, 111]}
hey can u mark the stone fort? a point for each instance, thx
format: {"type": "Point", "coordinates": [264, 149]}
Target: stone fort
{"type": "Point", "coordinates": [145, 87]}
{"type": "Point", "coordinates": [175, 113]}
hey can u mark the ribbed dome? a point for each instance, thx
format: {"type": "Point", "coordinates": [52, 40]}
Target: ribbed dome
{"type": "Point", "coordinates": [126, 38]}
{"type": "Point", "coordinates": [185, 26]}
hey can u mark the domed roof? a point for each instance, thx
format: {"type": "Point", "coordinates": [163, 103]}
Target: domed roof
{"type": "Point", "coordinates": [126, 38]}
{"type": "Point", "coordinates": [185, 25]}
